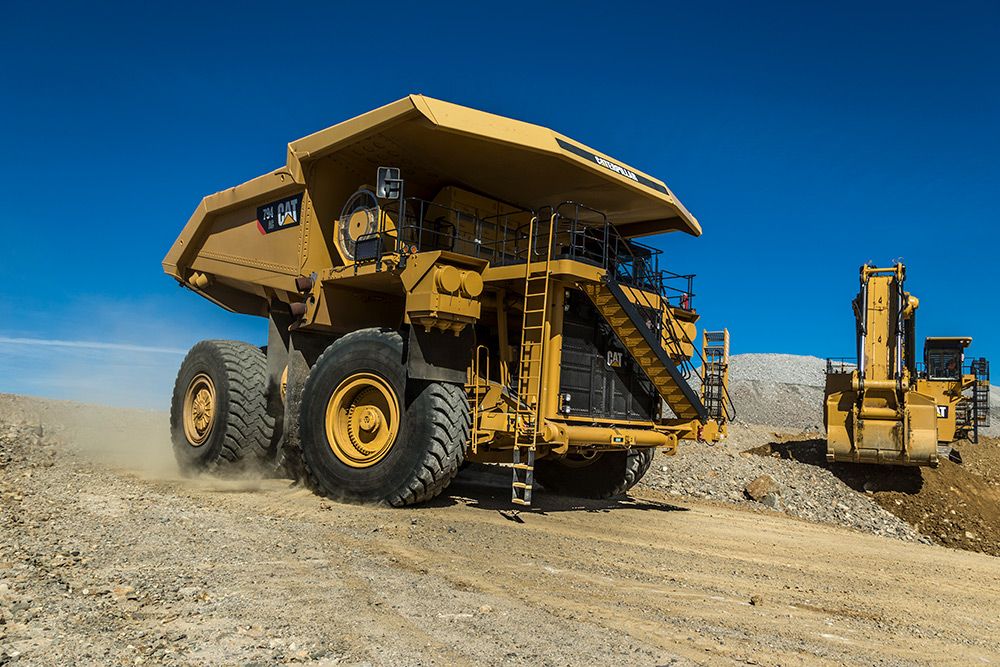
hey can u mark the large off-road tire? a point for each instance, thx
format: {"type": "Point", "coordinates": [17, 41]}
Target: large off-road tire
{"type": "Point", "coordinates": [607, 475]}
{"type": "Point", "coordinates": [368, 434]}
{"type": "Point", "coordinates": [218, 416]}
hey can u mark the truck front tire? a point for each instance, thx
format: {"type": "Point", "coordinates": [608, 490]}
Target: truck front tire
{"type": "Point", "coordinates": [218, 415]}
{"type": "Point", "coordinates": [370, 434]}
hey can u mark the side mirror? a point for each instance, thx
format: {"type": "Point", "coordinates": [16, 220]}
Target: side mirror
{"type": "Point", "coordinates": [389, 184]}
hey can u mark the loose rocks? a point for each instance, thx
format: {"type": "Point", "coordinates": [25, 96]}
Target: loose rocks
{"type": "Point", "coordinates": [724, 473]}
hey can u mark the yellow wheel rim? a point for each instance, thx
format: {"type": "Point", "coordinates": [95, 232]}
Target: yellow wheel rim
{"type": "Point", "coordinates": [362, 420]}
{"type": "Point", "coordinates": [199, 409]}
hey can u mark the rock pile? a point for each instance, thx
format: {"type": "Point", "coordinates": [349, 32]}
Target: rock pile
{"type": "Point", "coordinates": [721, 473]}
{"type": "Point", "coordinates": [778, 369]}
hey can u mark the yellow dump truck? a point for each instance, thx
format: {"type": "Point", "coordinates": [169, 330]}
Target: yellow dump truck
{"type": "Point", "coordinates": [445, 285]}
{"type": "Point", "coordinates": [883, 407]}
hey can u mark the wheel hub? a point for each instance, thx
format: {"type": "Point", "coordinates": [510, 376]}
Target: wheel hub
{"type": "Point", "coordinates": [362, 420]}
{"type": "Point", "coordinates": [369, 418]}
{"type": "Point", "coordinates": [199, 409]}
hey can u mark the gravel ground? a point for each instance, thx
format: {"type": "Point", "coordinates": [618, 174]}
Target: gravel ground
{"type": "Point", "coordinates": [109, 558]}
{"type": "Point", "coordinates": [52, 581]}
{"type": "Point", "coordinates": [778, 398]}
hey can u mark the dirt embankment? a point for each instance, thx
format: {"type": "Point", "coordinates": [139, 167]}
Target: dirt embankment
{"type": "Point", "coordinates": [955, 505]}
{"type": "Point", "coordinates": [108, 563]}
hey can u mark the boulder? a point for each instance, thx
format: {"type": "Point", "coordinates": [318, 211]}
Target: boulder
{"type": "Point", "coordinates": [762, 487]}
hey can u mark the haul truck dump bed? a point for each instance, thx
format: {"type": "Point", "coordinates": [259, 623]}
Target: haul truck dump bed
{"type": "Point", "coordinates": [443, 284]}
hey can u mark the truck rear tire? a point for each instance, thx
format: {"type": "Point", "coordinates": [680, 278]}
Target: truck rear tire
{"type": "Point", "coordinates": [218, 415]}
{"type": "Point", "coordinates": [370, 434]}
{"type": "Point", "coordinates": [607, 475]}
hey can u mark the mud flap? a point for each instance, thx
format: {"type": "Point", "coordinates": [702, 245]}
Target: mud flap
{"type": "Point", "coordinates": [303, 350]}
{"type": "Point", "coordinates": [439, 356]}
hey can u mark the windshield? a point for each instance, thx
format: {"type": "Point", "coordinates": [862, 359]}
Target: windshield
{"type": "Point", "coordinates": [944, 364]}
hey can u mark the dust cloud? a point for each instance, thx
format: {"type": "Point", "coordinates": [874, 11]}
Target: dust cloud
{"type": "Point", "coordinates": [123, 439]}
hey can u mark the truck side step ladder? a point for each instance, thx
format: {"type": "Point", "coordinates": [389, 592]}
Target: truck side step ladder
{"type": "Point", "coordinates": [980, 396]}
{"type": "Point", "coordinates": [715, 373]}
{"type": "Point", "coordinates": [534, 338]}
{"type": "Point", "coordinates": [646, 347]}
{"type": "Point", "coordinates": [475, 389]}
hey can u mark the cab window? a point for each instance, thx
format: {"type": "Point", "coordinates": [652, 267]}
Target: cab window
{"type": "Point", "coordinates": [944, 364]}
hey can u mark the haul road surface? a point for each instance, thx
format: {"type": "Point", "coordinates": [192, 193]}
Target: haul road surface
{"type": "Point", "coordinates": [109, 556]}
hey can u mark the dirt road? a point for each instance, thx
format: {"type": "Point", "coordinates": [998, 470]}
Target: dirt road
{"type": "Point", "coordinates": [114, 559]}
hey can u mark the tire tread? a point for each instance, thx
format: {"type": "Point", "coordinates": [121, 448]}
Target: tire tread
{"type": "Point", "coordinates": [248, 425]}
{"type": "Point", "coordinates": [451, 423]}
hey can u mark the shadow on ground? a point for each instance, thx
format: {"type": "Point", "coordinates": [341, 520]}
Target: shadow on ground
{"type": "Point", "coordinates": [487, 487]}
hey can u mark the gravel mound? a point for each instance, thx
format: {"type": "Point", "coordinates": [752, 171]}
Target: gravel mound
{"type": "Point", "coordinates": [780, 390]}
{"type": "Point", "coordinates": [785, 406]}
{"type": "Point", "coordinates": [717, 472]}
{"type": "Point", "coordinates": [777, 368]}
{"type": "Point", "coordinates": [994, 428]}
{"type": "Point", "coordinates": [780, 397]}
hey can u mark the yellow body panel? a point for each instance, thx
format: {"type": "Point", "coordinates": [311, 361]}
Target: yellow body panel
{"type": "Point", "coordinates": [491, 153]}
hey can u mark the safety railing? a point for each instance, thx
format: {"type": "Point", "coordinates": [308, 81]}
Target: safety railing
{"type": "Point", "coordinates": [977, 367]}
{"type": "Point", "coordinates": [580, 233]}
{"type": "Point", "coordinates": [585, 234]}
{"type": "Point", "coordinates": [416, 225]}
{"type": "Point", "coordinates": [841, 365]}
{"type": "Point", "coordinates": [595, 239]}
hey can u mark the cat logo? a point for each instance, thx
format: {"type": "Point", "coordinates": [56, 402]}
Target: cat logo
{"type": "Point", "coordinates": [280, 214]}
{"type": "Point", "coordinates": [615, 359]}
{"type": "Point", "coordinates": [942, 411]}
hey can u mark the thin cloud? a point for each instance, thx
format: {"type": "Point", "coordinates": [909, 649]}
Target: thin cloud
{"type": "Point", "coordinates": [89, 345]}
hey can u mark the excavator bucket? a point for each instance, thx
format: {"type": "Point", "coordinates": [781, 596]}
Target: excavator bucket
{"type": "Point", "coordinates": [878, 435]}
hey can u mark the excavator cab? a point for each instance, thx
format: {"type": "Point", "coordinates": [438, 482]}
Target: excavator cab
{"type": "Point", "coordinates": [943, 357]}
{"type": "Point", "coordinates": [961, 392]}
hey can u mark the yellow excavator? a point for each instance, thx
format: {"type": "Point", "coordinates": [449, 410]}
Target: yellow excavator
{"type": "Point", "coordinates": [885, 408]}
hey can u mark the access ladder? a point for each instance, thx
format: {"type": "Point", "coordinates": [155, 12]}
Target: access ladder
{"type": "Point", "coordinates": [980, 396]}
{"type": "Point", "coordinates": [715, 372]}
{"type": "Point", "coordinates": [531, 366]}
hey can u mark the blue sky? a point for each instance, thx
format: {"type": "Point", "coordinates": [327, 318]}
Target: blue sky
{"type": "Point", "coordinates": [807, 139]}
